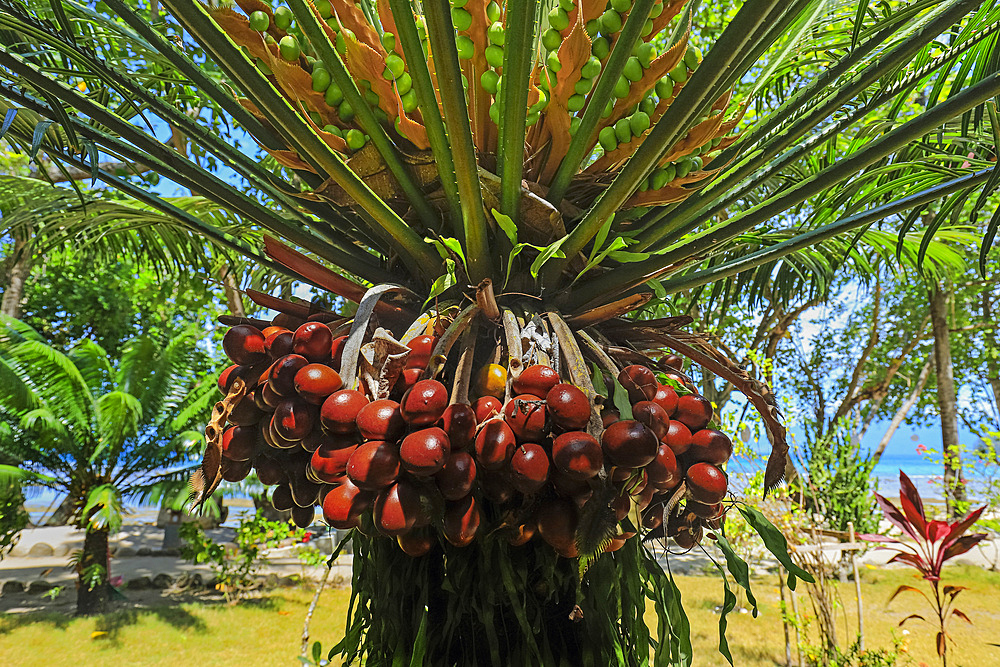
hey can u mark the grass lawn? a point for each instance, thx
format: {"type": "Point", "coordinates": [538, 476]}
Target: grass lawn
{"type": "Point", "coordinates": [268, 631]}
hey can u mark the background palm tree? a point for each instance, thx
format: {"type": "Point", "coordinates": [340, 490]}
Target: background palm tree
{"type": "Point", "coordinates": [100, 430]}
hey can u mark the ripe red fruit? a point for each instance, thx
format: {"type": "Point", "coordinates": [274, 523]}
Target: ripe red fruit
{"type": "Point", "coordinates": [422, 347]}
{"type": "Point", "coordinates": [639, 382]}
{"type": "Point", "coordinates": [294, 418]}
{"type": "Point", "coordinates": [569, 407]}
{"type": "Point", "coordinates": [461, 521]}
{"type": "Point", "coordinates": [340, 411]}
{"type": "Point", "coordinates": [557, 519]}
{"type": "Point", "coordinates": [485, 407]}
{"type": "Point", "coordinates": [314, 382]}
{"type": "Point", "coordinates": [653, 416]}
{"type": "Point", "coordinates": [406, 379]}
{"type": "Point", "coordinates": [424, 452]}
{"type": "Point", "coordinates": [281, 497]}
{"type": "Point", "coordinates": [329, 462]}
{"type": "Point", "coordinates": [526, 416]}
{"type": "Point", "coordinates": [622, 504]}
{"type": "Point", "coordinates": [244, 344]}
{"type": "Point", "coordinates": [313, 340]}
{"type": "Point", "coordinates": [456, 477]}
{"type": "Point", "coordinates": [694, 411]}
{"type": "Point", "coordinates": [710, 446]}
{"type": "Point", "coordinates": [268, 470]}
{"type": "Point", "coordinates": [652, 516]}
{"type": "Point", "coordinates": [305, 492]}
{"type": "Point", "coordinates": [675, 361]}
{"type": "Point", "coordinates": [706, 483]}
{"type": "Point", "coordinates": [678, 437]}
{"type": "Point", "coordinates": [374, 465]}
{"type": "Point", "coordinates": [239, 442]}
{"type": "Point", "coordinates": [269, 397]}
{"type": "Point", "coordinates": [245, 413]}
{"type": "Point", "coordinates": [666, 398]}
{"type": "Point", "coordinates": [663, 472]}
{"type": "Point", "coordinates": [629, 443]}
{"type": "Point", "coordinates": [569, 487]}
{"type": "Point", "coordinates": [609, 416]}
{"type": "Point", "coordinates": [459, 422]}
{"type": "Point", "coordinates": [536, 380]}
{"type": "Point", "coordinates": [416, 543]}
{"type": "Point", "coordinates": [704, 511]}
{"type": "Point", "coordinates": [344, 504]}
{"type": "Point", "coordinates": [494, 444]}
{"type": "Point", "coordinates": [396, 509]}
{"type": "Point", "coordinates": [424, 403]}
{"type": "Point", "coordinates": [577, 455]}
{"type": "Point", "coordinates": [496, 486]}
{"type": "Point", "coordinates": [235, 471]}
{"type": "Point", "coordinates": [529, 468]}
{"type": "Point", "coordinates": [303, 516]}
{"type": "Point", "coordinates": [228, 376]}
{"type": "Point", "coordinates": [381, 420]}
{"type": "Point", "coordinates": [281, 375]}
{"type": "Point", "coordinates": [276, 440]}
{"type": "Point", "coordinates": [278, 344]}
{"type": "Point", "coordinates": [337, 352]}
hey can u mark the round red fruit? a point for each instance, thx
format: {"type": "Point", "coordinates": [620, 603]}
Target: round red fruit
{"type": "Point", "coordinates": [694, 411]}
{"type": "Point", "coordinates": [281, 377]}
{"type": "Point", "coordinates": [710, 446]}
{"type": "Point", "coordinates": [416, 543]}
{"type": "Point", "coordinates": [421, 349]}
{"type": "Point", "coordinates": [314, 382]}
{"type": "Point", "coordinates": [653, 416]}
{"type": "Point", "coordinates": [344, 504]}
{"type": "Point", "coordinates": [706, 483]}
{"type": "Point", "coordinates": [569, 407]}
{"type": "Point", "coordinates": [556, 520]}
{"type": "Point", "coordinates": [577, 455]}
{"type": "Point", "coordinates": [329, 462]}
{"type": "Point", "coordinates": [666, 398]}
{"type": "Point", "coordinates": [461, 521]}
{"type": "Point", "coordinates": [424, 403]}
{"type": "Point", "coordinates": [268, 470]}
{"type": "Point", "coordinates": [235, 471]}
{"type": "Point", "coordinates": [526, 416]}
{"type": "Point", "coordinates": [313, 340]}
{"type": "Point", "coordinates": [244, 344]}
{"type": "Point", "coordinates": [663, 471]}
{"type": "Point", "coordinates": [239, 442]}
{"type": "Point", "coordinates": [228, 376]}
{"type": "Point", "coordinates": [245, 413]}
{"type": "Point", "coordinates": [675, 361]}
{"type": "Point", "coordinates": [424, 452]}
{"type": "Point", "coordinates": [294, 418]}
{"type": "Point", "coordinates": [629, 443]}
{"type": "Point", "coordinates": [340, 411]}
{"type": "Point", "coordinates": [396, 509]}
{"type": "Point", "coordinates": [486, 407]}
{"type": "Point", "coordinates": [278, 344]}
{"type": "Point", "coordinates": [678, 437]}
{"type": "Point", "coordinates": [459, 422]}
{"type": "Point", "coordinates": [374, 465]}
{"type": "Point", "coordinates": [456, 477]}
{"type": "Point", "coordinates": [529, 468]}
{"type": "Point", "coordinates": [536, 380]}
{"type": "Point", "coordinates": [337, 351]}
{"type": "Point", "coordinates": [639, 382]}
{"type": "Point", "coordinates": [494, 444]}
{"type": "Point", "coordinates": [381, 420]}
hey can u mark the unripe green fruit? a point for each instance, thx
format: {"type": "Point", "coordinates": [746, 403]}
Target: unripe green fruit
{"type": "Point", "coordinates": [679, 73]}
{"type": "Point", "coordinates": [553, 62]}
{"type": "Point", "coordinates": [692, 57]}
{"type": "Point", "coordinates": [644, 185]}
{"type": "Point", "coordinates": [495, 113]}
{"type": "Point", "coordinates": [355, 139]}
{"type": "Point", "coordinates": [388, 41]}
{"type": "Point", "coordinates": [320, 79]}
{"type": "Point", "coordinates": [551, 39]}
{"type": "Point", "coordinates": [404, 83]}
{"type": "Point", "coordinates": [639, 123]}
{"type": "Point", "coordinates": [621, 6]}
{"type": "Point", "coordinates": [646, 53]}
{"type": "Point", "coordinates": [489, 81]}
{"type": "Point", "coordinates": [409, 100]}
{"type": "Point", "coordinates": [371, 97]}
{"type": "Point", "coordinates": [583, 86]}
{"type": "Point", "coordinates": [567, 5]}
{"type": "Point", "coordinates": [269, 40]}
{"type": "Point", "coordinates": [622, 87]}
{"type": "Point", "coordinates": [466, 47]}
{"type": "Point", "coordinates": [684, 167]}
{"type": "Point", "coordinates": [289, 49]}
{"type": "Point", "coordinates": [493, 12]}
{"type": "Point", "coordinates": [461, 18]}
{"type": "Point", "coordinates": [656, 10]}
{"type": "Point", "coordinates": [606, 137]}
{"type": "Point", "coordinates": [333, 129]}
{"type": "Point", "coordinates": [494, 55]}
{"type": "Point", "coordinates": [611, 22]}
{"type": "Point", "coordinates": [459, 3]}
{"type": "Point", "coordinates": [671, 170]}
{"type": "Point", "coordinates": [658, 179]}
{"type": "Point", "coordinates": [697, 163]}
{"type": "Point", "coordinates": [324, 8]}
{"type": "Point", "coordinates": [334, 95]}
{"type": "Point", "coordinates": [558, 19]}
{"type": "Point", "coordinates": [575, 102]}
{"type": "Point", "coordinates": [600, 48]}
{"type": "Point", "coordinates": [591, 68]}
{"type": "Point", "coordinates": [608, 108]}
{"type": "Point", "coordinates": [496, 34]}
{"type": "Point", "coordinates": [260, 21]}
{"type": "Point", "coordinates": [531, 118]}
{"type": "Point", "coordinates": [665, 88]}
{"type": "Point", "coordinates": [262, 66]}
{"type": "Point", "coordinates": [622, 131]}
{"type": "Point", "coordinates": [716, 142]}
{"type": "Point", "coordinates": [346, 112]}
{"type": "Point", "coordinates": [647, 106]}
{"type": "Point", "coordinates": [647, 28]}
{"type": "Point", "coordinates": [395, 64]}
{"type": "Point", "coordinates": [632, 70]}
{"type": "Point", "coordinates": [342, 43]}
{"type": "Point", "coordinates": [283, 18]}
{"type": "Point", "coordinates": [592, 27]}
{"type": "Point", "coordinates": [574, 125]}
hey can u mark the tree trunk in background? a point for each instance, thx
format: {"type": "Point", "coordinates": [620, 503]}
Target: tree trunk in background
{"type": "Point", "coordinates": [232, 287]}
{"type": "Point", "coordinates": [17, 277]}
{"type": "Point", "coordinates": [92, 597]}
{"type": "Point", "coordinates": [904, 409]}
{"type": "Point", "coordinates": [954, 482]}
{"type": "Point", "coordinates": [63, 513]}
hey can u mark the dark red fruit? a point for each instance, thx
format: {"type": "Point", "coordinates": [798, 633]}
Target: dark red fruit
{"type": "Point", "coordinates": [694, 411]}
{"type": "Point", "coordinates": [278, 441]}
{"type": "Point", "coordinates": [569, 407]}
{"type": "Point", "coordinates": [337, 352]}
{"type": "Point", "coordinates": [374, 465]}
{"type": "Point", "coordinates": [652, 516]}
{"type": "Point", "coordinates": [239, 442]}
{"type": "Point", "coordinates": [663, 472]}
{"type": "Point", "coordinates": [706, 483]}
{"type": "Point", "coordinates": [416, 543]}
{"type": "Point", "coordinates": [577, 455]}
{"type": "Point", "coordinates": [644, 496]}
{"type": "Point", "coordinates": [281, 497]}
{"type": "Point", "coordinates": [303, 516]}
{"type": "Point", "coordinates": [536, 380]}
{"type": "Point", "coordinates": [459, 422]}
{"type": "Point", "coordinates": [522, 534]}
{"type": "Point", "coordinates": [678, 437]}
{"type": "Point", "coordinates": [278, 344]}
{"type": "Point", "coordinates": [461, 521]}
{"type": "Point", "coordinates": [340, 411]}
{"type": "Point", "coordinates": [569, 487]}
{"type": "Point", "coordinates": [294, 418]}
{"type": "Point", "coordinates": [228, 376]}
{"type": "Point", "coordinates": [244, 344]}
{"type": "Point", "coordinates": [314, 382]}
{"type": "Point", "coordinates": [666, 398]}
{"type": "Point", "coordinates": [710, 446]}
{"type": "Point", "coordinates": [494, 444]}
{"type": "Point", "coordinates": [486, 407]}
{"type": "Point", "coordinates": [268, 470]}
{"type": "Point", "coordinates": [313, 341]}
{"type": "Point", "coordinates": [424, 452]}
{"type": "Point", "coordinates": [653, 416]}
{"type": "Point", "coordinates": [305, 492]}
{"type": "Point", "coordinates": [404, 382]}
{"type": "Point", "coordinates": [344, 504]}
{"type": "Point", "coordinates": [245, 413]}
{"type": "Point", "coordinates": [235, 471]}
{"type": "Point", "coordinates": [424, 403]}
{"type": "Point", "coordinates": [526, 416]}
{"type": "Point", "coordinates": [675, 361]}
{"type": "Point", "coordinates": [529, 468]}
{"type": "Point", "coordinates": [629, 443]}
{"type": "Point", "coordinates": [456, 477]}
{"type": "Point", "coordinates": [396, 509]}
{"type": "Point", "coordinates": [497, 487]}
{"type": "Point", "coordinates": [704, 511]}
{"type": "Point", "coordinates": [286, 321]}
{"type": "Point", "coordinates": [639, 382]}
{"type": "Point", "coordinates": [329, 463]}
{"type": "Point", "coordinates": [557, 520]}
{"type": "Point", "coordinates": [381, 420]}
{"type": "Point", "coordinates": [609, 416]}
{"type": "Point", "coordinates": [622, 504]}
{"type": "Point", "coordinates": [421, 349]}
{"type": "Point", "coordinates": [281, 375]}
{"type": "Point", "coordinates": [269, 397]}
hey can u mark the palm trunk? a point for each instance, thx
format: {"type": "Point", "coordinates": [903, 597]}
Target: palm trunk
{"type": "Point", "coordinates": [93, 591]}
{"type": "Point", "coordinates": [904, 410]}
{"type": "Point", "coordinates": [954, 482]}
{"type": "Point", "coordinates": [17, 277]}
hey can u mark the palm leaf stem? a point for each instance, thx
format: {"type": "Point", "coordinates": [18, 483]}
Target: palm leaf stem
{"type": "Point", "coordinates": [636, 273]}
{"type": "Point", "coordinates": [441, 32]}
{"type": "Point", "coordinates": [518, 60]}
{"type": "Point", "coordinates": [583, 140]}
{"type": "Point", "coordinates": [309, 23]}
{"type": "Point", "coordinates": [430, 113]}
{"type": "Point", "coordinates": [421, 261]}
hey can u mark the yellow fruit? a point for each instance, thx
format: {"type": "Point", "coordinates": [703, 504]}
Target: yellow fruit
{"type": "Point", "coordinates": [492, 381]}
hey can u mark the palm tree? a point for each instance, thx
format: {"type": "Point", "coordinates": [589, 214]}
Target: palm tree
{"type": "Point", "coordinates": [573, 159]}
{"type": "Point", "coordinates": [99, 430]}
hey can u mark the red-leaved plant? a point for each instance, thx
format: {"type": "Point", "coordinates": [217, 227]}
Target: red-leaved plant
{"type": "Point", "coordinates": [933, 544]}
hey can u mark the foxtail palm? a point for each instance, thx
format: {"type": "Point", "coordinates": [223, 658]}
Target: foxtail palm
{"type": "Point", "coordinates": [528, 173]}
